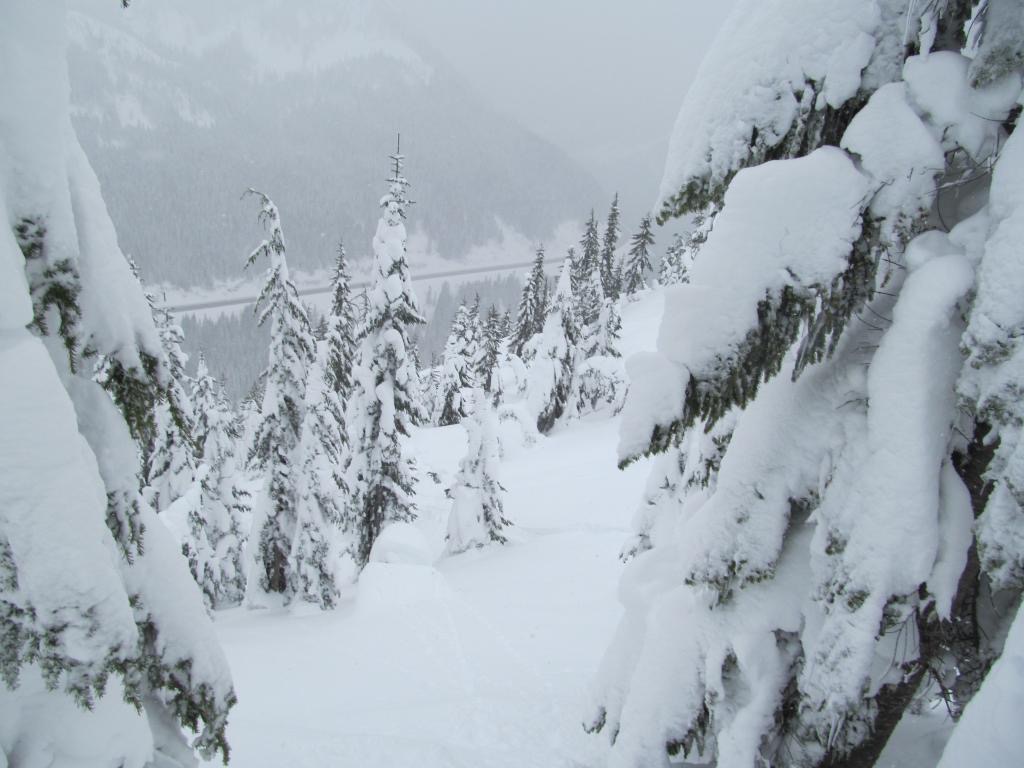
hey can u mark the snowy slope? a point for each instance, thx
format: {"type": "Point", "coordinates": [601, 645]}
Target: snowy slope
{"type": "Point", "coordinates": [482, 660]}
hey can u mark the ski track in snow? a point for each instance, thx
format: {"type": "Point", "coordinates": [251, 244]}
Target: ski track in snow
{"type": "Point", "coordinates": [482, 661]}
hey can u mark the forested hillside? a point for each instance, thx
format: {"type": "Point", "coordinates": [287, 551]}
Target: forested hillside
{"type": "Point", "coordinates": [183, 107]}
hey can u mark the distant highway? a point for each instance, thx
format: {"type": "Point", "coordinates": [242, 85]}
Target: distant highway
{"type": "Point", "coordinates": [236, 301]}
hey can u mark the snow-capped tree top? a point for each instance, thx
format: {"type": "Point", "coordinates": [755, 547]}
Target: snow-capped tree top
{"type": "Point", "coordinates": [391, 294]}
{"type": "Point", "coordinates": [396, 200]}
{"type": "Point", "coordinates": [273, 247]}
{"type": "Point", "coordinates": [562, 298]}
{"type": "Point", "coordinates": [762, 78]}
{"type": "Point", "coordinates": [340, 284]}
{"type": "Point", "coordinates": [612, 229]}
{"type": "Point", "coordinates": [590, 243]}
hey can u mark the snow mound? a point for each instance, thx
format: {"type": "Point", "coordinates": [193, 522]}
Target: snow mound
{"type": "Point", "coordinates": [401, 544]}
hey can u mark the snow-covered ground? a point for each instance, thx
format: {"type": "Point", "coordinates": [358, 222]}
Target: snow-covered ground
{"type": "Point", "coordinates": [483, 659]}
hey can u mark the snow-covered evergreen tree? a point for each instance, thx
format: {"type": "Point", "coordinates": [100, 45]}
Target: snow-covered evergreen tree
{"type": "Point", "coordinates": [95, 600]}
{"type": "Point", "coordinates": [275, 450]}
{"type": "Point", "coordinates": [322, 504]}
{"type": "Point", "coordinates": [492, 341]}
{"type": "Point", "coordinates": [507, 326]}
{"type": "Point", "coordinates": [217, 504]}
{"type": "Point", "coordinates": [532, 306]}
{"type": "Point", "coordinates": [341, 330]}
{"type": "Point", "coordinates": [673, 270]}
{"type": "Point", "coordinates": [789, 611]}
{"type": "Point", "coordinates": [638, 259]}
{"type": "Point", "coordinates": [382, 409]}
{"type": "Point", "coordinates": [169, 463]}
{"type": "Point", "coordinates": [458, 370]}
{"type": "Point", "coordinates": [477, 517]}
{"type": "Point", "coordinates": [551, 372]}
{"type": "Point", "coordinates": [600, 377]}
{"type": "Point", "coordinates": [588, 283]}
{"type": "Point", "coordinates": [611, 277]}
{"type": "Point", "coordinates": [477, 340]}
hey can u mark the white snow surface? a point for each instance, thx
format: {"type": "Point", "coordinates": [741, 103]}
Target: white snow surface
{"type": "Point", "coordinates": [474, 661]}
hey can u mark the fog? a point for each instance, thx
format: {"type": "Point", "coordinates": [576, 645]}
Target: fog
{"type": "Point", "coordinates": [603, 79]}
{"type": "Point", "coordinates": [518, 118]}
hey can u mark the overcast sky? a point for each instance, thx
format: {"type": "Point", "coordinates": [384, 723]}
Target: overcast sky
{"type": "Point", "coordinates": [603, 79]}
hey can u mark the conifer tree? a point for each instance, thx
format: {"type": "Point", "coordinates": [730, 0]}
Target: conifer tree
{"type": "Point", "coordinates": [477, 341]}
{"type": "Point", "coordinates": [551, 374]}
{"type": "Point", "coordinates": [477, 517]}
{"type": "Point", "coordinates": [532, 306]}
{"type": "Point", "coordinates": [609, 330]}
{"type": "Point", "coordinates": [491, 348]}
{"type": "Point", "coordinates": [276, 443]}
{"type": "Point", "coordinates": [219, 503]}
{"type": "Point", "coordinates": [673, 269]}
{"type": "Point", "coordinates": [506, 326]}
{"type": "Point", "coordinates": [610, 276]}
{"type": "Point", "coordinates": [431, 386]}
{"type": "Point", "coordinates": [590, 249]}
{"type": "Point", "coordinates": [383, 407]}
{"type": "Point", "coordinates": [588, 285]}
{"type": "Point", "coordinates": [322, 492]}
{"type": "Point", "coordinates": [86, 567]}
{"type": "Point", "coordinates": [341, 330]}
{"type": "Point", "coordinates": [814, 566]}
{"type": "Point", "coordinates": [599, 379]}
{"type": "Point", "coordinates": [458, 373]}
{"type": "Point", "coordinates": [638, 260]}
{"type": "Point", "coordinates": [169, 464]}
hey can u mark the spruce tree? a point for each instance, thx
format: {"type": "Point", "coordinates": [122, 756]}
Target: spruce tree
{"type": "Point", "coordinates": [491, 348]}
{"type": "Point", "coordinates": [275, 450]}
{"type": "Point", "coordinates": [588, 285]}
{"type": "Point", "coordinates": [590, 250]}
{"type": "Point", "coordinates": [814, 561]}
{"type": "Point", "coordinates": [551, 374]}
{"type": "Point", "coordinates": [610, 277]}
{"type": "Point", "coordinates": [213, 546]}
{"type": "Point", "coordinates": [673, 269]}
{"type": "Point", "coordinates": [341, 330]}
{"type": "Point", "coordinates": [532, 306]}
{"type": "Point", "coordinates": [476, 348]}
{"type": "Point", "coordinates": [458, 372]}
{"type": "Point", "coordinates": [638, 259]}
{"type": "Point", "coordinates": [382, 408]}
{"type": "Point", "coordinates": [169, 463]}
{"type": "Point", "coordinates": [477, 516]}
{"type": "Point", "coordinates": [322, 492]}
{"type": "Point", "coordinates": [87, 571]}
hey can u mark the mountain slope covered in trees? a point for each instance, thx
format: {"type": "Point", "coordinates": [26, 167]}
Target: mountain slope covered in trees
{"type": "Point", "coordinates": [182, 107]}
